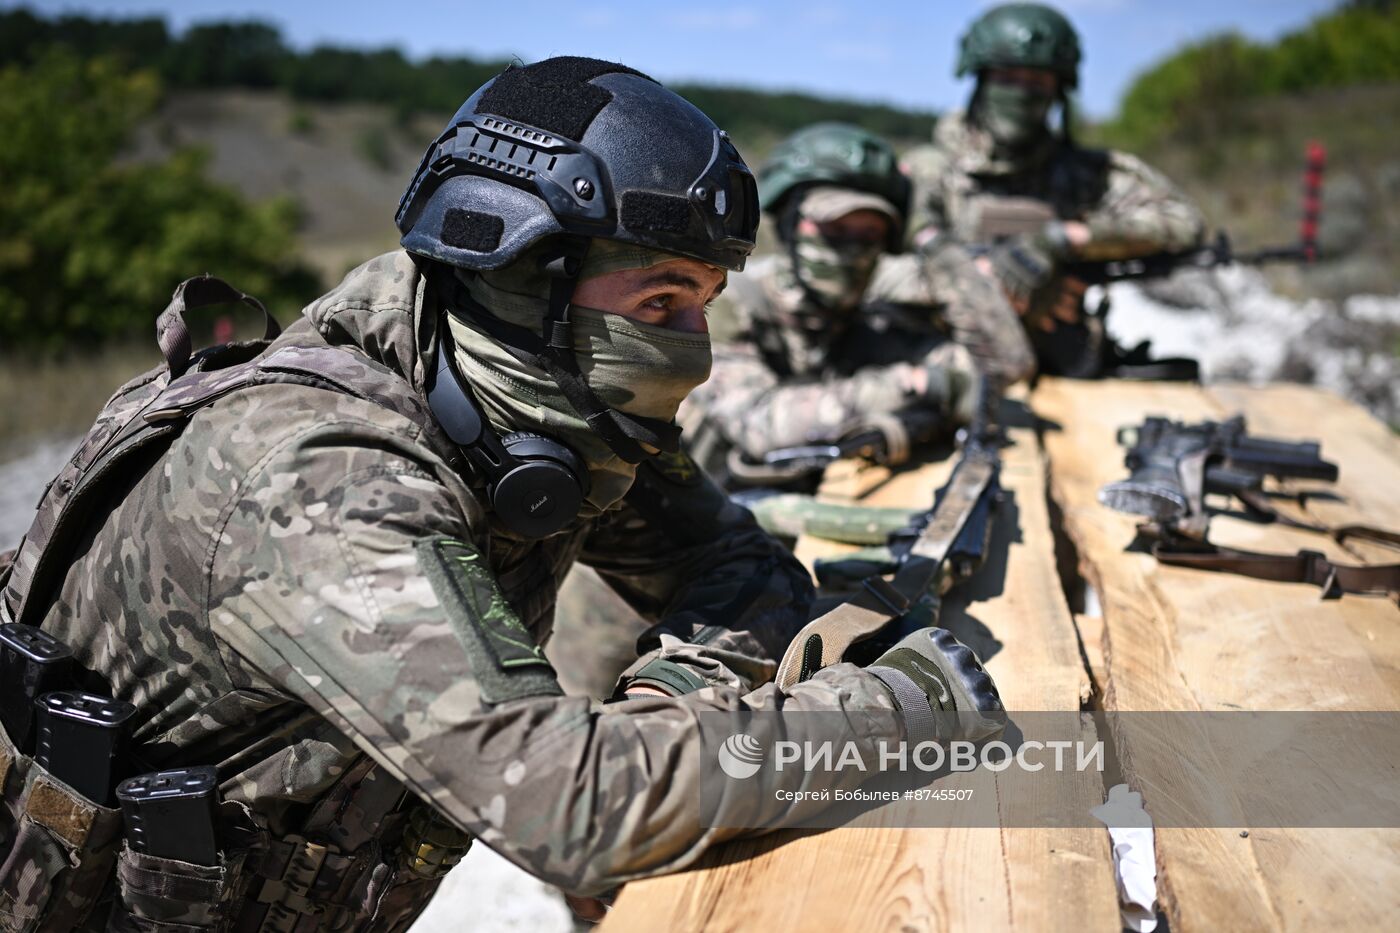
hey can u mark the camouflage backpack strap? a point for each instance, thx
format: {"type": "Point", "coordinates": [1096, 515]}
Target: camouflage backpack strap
{"type": "Point", "coordinates": [753, 298]}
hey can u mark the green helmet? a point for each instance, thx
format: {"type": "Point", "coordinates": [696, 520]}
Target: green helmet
{"type": "Point", "coordinates": [832, 154]}
{"type": "Point", "coordinates": [1022, 35]}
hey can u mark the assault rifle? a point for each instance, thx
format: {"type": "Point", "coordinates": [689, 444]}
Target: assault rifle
{"type": "Point", "coordinates": [929, 555]}
{"type": "Point", "coordinates": [1218, 253]}
{"type": "Point", "coordinates": [1174, 466]}
{"type": "Point", "coordinates": [1085, 350]}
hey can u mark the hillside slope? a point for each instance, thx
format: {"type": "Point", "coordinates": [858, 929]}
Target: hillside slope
{"type": "Point", "coordinates": [346, 165]}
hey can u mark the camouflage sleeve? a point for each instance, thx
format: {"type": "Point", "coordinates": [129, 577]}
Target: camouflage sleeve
{"type": "Point", "coordinates": [945, 278]}
{"type": "Point", "coordinates": [727, 597]}
{"type": "Point", "coordinates": [1141, 212]}
{"type": "Point", "coordinates": [744, 402]}
{"type": "Point", "coordinates": [341, 578]}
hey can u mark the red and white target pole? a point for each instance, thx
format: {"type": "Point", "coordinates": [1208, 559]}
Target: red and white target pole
{"type": "Point", "coordinates": [1312, 199]}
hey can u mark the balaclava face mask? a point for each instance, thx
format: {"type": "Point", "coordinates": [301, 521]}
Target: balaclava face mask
{"type": "Point", "coordinates": [835, 274]}
{"type": "Point", "coordinates": [1014, 116]}
{"type": "Point", "coordinates": [637, 368]}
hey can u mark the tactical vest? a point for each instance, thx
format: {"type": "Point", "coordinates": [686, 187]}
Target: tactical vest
{"type": "Point", "coordinates": [368, 856]}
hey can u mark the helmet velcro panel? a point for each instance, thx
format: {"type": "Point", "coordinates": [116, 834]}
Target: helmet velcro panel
{"type": "Point", "coordinates": [553, 95]}
{"type": "Point", "coordinates": [645, 210]}
{"type": "Point", "coordinates": [473, 230]}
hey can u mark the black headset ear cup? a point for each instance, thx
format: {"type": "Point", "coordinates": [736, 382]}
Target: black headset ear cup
{"type": "Point", "coordinates": [544, 490]}
{"type": "Point", "coordinates": [525, 446]}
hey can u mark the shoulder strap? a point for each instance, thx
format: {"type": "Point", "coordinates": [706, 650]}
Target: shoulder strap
{"type": "Point", "coordinates": [172, 331]}
{"type": "Point", "coordinates": [1258, 502]}
{"type": "Point", "coordinates": [115, 448]}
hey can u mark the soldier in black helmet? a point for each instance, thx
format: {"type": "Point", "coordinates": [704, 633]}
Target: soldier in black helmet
{"type": "Point", "coordinates": [327, 565]}
{"type": "Point", "coordinates": [1003, 174]}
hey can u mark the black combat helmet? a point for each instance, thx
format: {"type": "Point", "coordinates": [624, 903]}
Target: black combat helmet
{"type": "Point", "coordinates": [581, 147]}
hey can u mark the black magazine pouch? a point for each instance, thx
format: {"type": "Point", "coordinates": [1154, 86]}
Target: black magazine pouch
{"type": "Point", "coordinates": [57, 848]}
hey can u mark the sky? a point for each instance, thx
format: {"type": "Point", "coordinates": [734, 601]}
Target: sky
{"type": "Point", "coordinates": [898, 51]}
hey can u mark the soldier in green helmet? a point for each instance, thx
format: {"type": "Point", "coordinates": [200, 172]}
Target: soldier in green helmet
{"type": "Point", "coordinates": [1000, 175]}
{"type": "Point", "coordinates": [798, 360]}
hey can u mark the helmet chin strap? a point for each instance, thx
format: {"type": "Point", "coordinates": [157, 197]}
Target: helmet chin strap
{"type": "Point", "coordinates": [553, 353]}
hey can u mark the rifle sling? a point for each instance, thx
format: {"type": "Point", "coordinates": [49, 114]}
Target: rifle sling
{"type": "Point", "coordinates": [1303, 567]}
{"type": "Point", "coordinates": [1339, 533]}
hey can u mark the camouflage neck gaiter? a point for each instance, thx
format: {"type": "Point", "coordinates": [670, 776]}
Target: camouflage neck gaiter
{"type": "Point", "coordinates": [636, 368]}
{"type": "Point", "coordinates": [1015, 117]}
{"type": "Point", "coordinates": [835, 273]}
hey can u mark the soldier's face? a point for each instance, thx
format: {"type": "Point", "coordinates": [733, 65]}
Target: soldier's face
{"type": "Point", "coordinates": [1036, 80]}
{"type": "Point", "coordinates": [671, 295]}
{"type": "Point", "coordinates": [858, 228]}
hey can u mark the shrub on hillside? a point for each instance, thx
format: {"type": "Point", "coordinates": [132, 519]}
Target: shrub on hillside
{"type": "Point", "coordinates": [90, 249]}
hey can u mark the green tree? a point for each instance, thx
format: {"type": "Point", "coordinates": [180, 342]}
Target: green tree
{"type": "Point", "coordinates": [1196, 92]}
{"type": "Point", "coordinates": [90, 247]}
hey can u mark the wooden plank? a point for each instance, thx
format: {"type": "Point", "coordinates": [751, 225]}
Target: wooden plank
{"type": "Point", "coordinates": [891, 878]}
{"type": "Point", "coordinates": [1178, 639]}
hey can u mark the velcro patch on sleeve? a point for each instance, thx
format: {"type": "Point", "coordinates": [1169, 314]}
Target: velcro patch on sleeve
{"type": "Point", "coordinates": [507, 663]}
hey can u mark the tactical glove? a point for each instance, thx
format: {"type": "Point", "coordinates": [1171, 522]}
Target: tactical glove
{"type": "Point", "coordinates": [953, 377]}
{"type": "Point", "coordinates": [1027, 262]}
{"type": "Point", "coordinates": [941, 688]}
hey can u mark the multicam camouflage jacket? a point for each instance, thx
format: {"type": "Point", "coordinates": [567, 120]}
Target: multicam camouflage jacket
{"type": "Point", "coordinates": [962, 188]}
{"type": "Point", "coordinates": [304, 590]}
{"type": "Point", "coordinates": [787, 372]}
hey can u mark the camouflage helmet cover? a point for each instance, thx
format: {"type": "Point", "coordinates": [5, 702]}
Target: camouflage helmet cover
{"type": "Point", "coordinates": [832, 154]}
{"type": "Point", "coordinates": [1022, 35]}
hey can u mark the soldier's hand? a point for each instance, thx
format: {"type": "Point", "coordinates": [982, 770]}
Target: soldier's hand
{"type": "Point", "coordinates": [940, 687]}
{"type": "Point", "coordinates": [1065, 304]}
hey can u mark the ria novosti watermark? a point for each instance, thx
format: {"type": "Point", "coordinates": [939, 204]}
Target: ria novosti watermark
{"type": "Point", "coordinates": [742, 756]}
{"type": "Point", "coordinates": [1235, 769]}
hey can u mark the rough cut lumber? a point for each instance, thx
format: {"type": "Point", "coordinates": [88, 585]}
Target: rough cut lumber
{"type": "Point", "coordinates": [889, 878]}
{"type": "Point", "coordinates": [1179, 639]}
